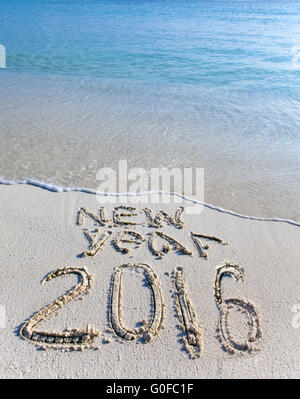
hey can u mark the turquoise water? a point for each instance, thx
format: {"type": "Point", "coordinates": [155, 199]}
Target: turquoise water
{"type": "Point", "coordinates": [243, 44]}
{"type": "Point", "coordinates": [212, 84]}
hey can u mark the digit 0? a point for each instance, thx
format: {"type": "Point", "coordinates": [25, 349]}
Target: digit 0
{"type": "Point", "coordinates": [152, 327]}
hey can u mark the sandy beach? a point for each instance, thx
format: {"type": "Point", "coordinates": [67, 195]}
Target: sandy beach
{"type": "Point", "coordinates": [211, 295]}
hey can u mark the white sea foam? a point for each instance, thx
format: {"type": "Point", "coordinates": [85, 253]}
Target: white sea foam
{"type": "Point", "coordinates": [60, 189]}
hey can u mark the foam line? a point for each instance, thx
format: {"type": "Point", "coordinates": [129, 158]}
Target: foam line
{"type": "Point", "coordinates": [60, 189]}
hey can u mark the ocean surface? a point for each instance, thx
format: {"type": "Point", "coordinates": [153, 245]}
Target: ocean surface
{"type": "Point", "coordinates": [208, 84]}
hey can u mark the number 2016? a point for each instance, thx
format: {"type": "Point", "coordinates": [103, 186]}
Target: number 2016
{"type": "Point", "coordinates": [193, 340]}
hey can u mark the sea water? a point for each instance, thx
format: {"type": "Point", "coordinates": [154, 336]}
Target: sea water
{"type": "Point", "coordinates": [209, 84]}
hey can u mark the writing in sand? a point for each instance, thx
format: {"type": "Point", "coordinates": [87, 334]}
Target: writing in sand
{"type": "Point", "coordinates": [125, 240]}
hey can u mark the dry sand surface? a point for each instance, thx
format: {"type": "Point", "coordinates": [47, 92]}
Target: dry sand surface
{"type": "Point", "coordinates": [175, 305]}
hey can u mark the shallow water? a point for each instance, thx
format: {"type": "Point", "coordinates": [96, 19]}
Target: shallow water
{"type": "Point", "coordinates": [208, 84]}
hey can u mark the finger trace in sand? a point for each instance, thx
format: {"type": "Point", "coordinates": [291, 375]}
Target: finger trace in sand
{"type": "Point", "coordinates": [230, 269]}
{"type": "Point", "coordinates": [96, 244]}
{"type": "Point", "coordinates": [248, 309]}
{"type": "Point", "coordinates": [254, 332]}
{"type": "Point", "coordinates": [171, 245]}
{"type": "Point", "coordinates": [162, 216]}
{"type": "Point", "coordinates": [75, 339]}
{"type": "Point", "coordinates": [193, 342]}
{"type": "Point", "coordinates": [149, 329]}
{"type": "Point", "coordinates": [118, 215]}
{"type": "Point", "coordinates": [202, 249]}
{"type": "Point", "coordinates": [101, 219]}
{"type": "Point", "coordinates": [137, 239]}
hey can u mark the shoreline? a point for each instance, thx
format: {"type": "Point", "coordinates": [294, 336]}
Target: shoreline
{"type": "Point", "coordinates": [43, 122]}
{"type": "Point", "coordinates": [60, 189]}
